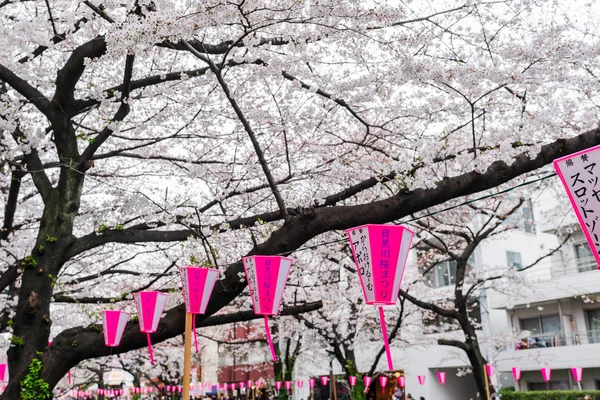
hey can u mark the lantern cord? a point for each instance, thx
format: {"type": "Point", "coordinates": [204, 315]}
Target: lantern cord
{"type": "Point", "coordinates": [194, 328]}
{"type": "Point", "coordinates": [386, 341]}
{"type": "Point", "coordinates": [150, 348]}
{"type": "Point", "coordinates": [269, 339]}
{"type": "Point", "coordinates": [579, 385]}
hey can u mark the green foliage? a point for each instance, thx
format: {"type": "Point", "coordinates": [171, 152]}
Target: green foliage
{"type": "Point", "coordinates": [358, 392]}
{"type": "Point", "coordinates": [32, 386]}
{"type": "Point", "coordinates": [51, 239]}
{"type": "Point", "coordinates": [30, 261]}
{"type": "Point", "coordinates": [548, 394]}
{"type": "Point", "coordinates": [17, 341]}
{"type": "Point", "coordinates": [74, 343]}
{"type": "Point", "coordinates": [10, 322]}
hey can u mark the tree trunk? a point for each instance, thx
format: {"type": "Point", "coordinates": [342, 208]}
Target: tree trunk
{"type": "Point", "coordinates": [31, 328]}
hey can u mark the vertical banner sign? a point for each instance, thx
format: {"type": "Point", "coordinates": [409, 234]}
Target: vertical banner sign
{"type": "Point", "coordinates": [441, 377]}
{"type": "Point", "coordinates": [150, 306]}
{"type": "Point", "coordinates": [580, 175]}
{"type": "Point", "coordinates": [197, 285]}
{"type": "Point", "coordinates": [380, 253]}
{"type": "Point", "coordinates": [113, 325]}
{"type": "Point", "coordinates": [517, 373]}
{"type": "Point", "coordinates": [266, 276]}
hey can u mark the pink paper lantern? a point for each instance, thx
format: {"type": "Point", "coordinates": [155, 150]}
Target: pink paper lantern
{"type": "Point", "coordinates": [576, 171]}
{"type": "Point", "coordinates": [300, 384]}
{"type": "Point", "coordinates": [2, 372]}
{"type": "Point", "coordinates": [380, 253]}
{"type": "Point", "coordinates": [288, 385]}
{"type": "Point", "coordinates": [259, 384]}
{"type": "Point", "coordinates": [113, 325]}
{"type": "Point", "coordinates": [311, 382]}
{"type": "Point", "coordinates": [225, 386]}
{"type": "Point", "coordinates": [168, 388]}
{"type": "Point", "coordinates": [577, 374]}
{"type": "Point", "coordinates": [242, 385]}
{"type": "Point", "coordinates": [278, 385]}
{"type": "Point", "coordinates": [266, 276]}
{"type": "Point", "coordinates": [441, 377]}
{"type": "Point", "coordinates": [517, 373]}
{"type": "Point", "coordinates": [401, 381]}
{"type": "Point", "coordinates": [367, 380]}
{"type": "Point", "coordinates": [150, 306]}
{"type": "Point", "coordinates": [546, 372]}
{"type": "Point", "coordinates": [233, 385]}
{"type": "Point", "coordinates": [324, 380]}
{"type": "Point", "coordinates": [383, 380]}
{"type": "Point", "coordinates": [352, 380]}
{"type": "Point", "coordinates": [197, 285]}
{"type": "Point", "coordinates": [180, 389]}
{"type": "Point", "coordinates": [249, 383]}
{"type": "Point", "coordinates": [421, 379]}
{"type": "Point", "coordinates": [489, 369]}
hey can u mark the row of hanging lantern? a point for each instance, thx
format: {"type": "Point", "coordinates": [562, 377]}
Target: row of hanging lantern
{"type": "Point", "coordinates": [380, 253]}
{"type": "Point", "coordinates": [577, 373]}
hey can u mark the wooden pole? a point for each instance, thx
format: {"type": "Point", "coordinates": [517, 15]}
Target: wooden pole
{"type": "Point", "coordinates": [334, 388]}
{"type": "Point", "coordinates": [487, 385]}
{"type": "Point", "coordinates": [187, 356]}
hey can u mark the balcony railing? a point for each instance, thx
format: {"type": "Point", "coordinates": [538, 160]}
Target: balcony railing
{"type": "Point", "coordinates": [572, 266]}
{"type": "Point", "coordinates": [558, 339]}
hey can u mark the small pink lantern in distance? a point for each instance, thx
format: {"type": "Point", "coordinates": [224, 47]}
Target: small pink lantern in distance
{"type": "Point", "coordinates": [324, 380]}
{"type": "Point", "coordinates": [380, 253]}
{"type": "Point", "coordinates": [278, 385]}
{"type": "Point", "coordinates": [402, 381]}
{"type": "Point", "coordinates": [150, 306]}
{"type": "Point", "coordinates": [311, 382]}
{"type": "Point", "coordinates": [516, 371]}
{"type": "Point", "coordinates": [352, 380]}
{"type": "Point", "coordinates": [421, 379]}
{"type": "Point", "coordinates": [383, 380]}
{"type": "Point", "coordinates": [546, 373]}
{"type": "Point", "coordinates": [288, 385]}
{"type": "Point", "coordinates": [441, 377]}
{"type": "Point", "coordinates": [577, 375]}
{"type": "Point", "coordinates": [367, 380]}
{"type": "Point", "coordinates": [197, 285]}
{"type": "Point", "coordinates": [266, 276]}
{"type": "Point", "coordinates": [249, 383]}
{"type": "Point", "coordinates": [300, 384]}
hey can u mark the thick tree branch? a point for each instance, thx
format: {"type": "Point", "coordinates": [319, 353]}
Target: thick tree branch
{"type": "Point", "coordinates": [26, 90]}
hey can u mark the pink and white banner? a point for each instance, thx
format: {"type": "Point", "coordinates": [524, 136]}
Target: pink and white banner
{"type": "Point", "coordinates": [267, 276]}
{"type": "Point", "coordinates": [380, 253]}
{"type": "Point", "coordinates": [197, 285]}
{"type": "Point", "coordinates": [150, 306]}
{"type": "Point", "coordinates": [579, 173]}
{"type": "Point", "coordinates": [113, 325]}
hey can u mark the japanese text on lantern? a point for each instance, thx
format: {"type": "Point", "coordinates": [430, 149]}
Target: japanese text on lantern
{"type": "Point", "coordinates": [360, 243]}
{"type": "Point", "coordinates": [384, 264]}
{"type": "Point", "coordinates": [579, 173]}
{"type": "Point", "coordinates": [251, 271]}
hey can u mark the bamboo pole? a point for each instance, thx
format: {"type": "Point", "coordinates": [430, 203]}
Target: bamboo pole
{"type": "Point", "coordinates": [334, 388]}
{"type": "Point", "coordinates": [487, 385]}
{"type": "Point", "coordinates": [187, 356]}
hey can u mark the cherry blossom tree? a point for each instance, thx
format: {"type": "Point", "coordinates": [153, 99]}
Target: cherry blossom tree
{"type": "Point", "coordinates": [140, 135]}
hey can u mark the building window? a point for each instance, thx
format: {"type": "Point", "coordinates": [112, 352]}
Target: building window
{"type": "Point", "coordinates": [523, 218]}
{"type": "Point", "coordinates": [513, 259]}
{"type": "Point", "coordinates": [562, 384]}
{"type": "Point", "coordinates": [584, 257]}
{"type": "Point", "coordinates": [444, 273]}
{"type": "Point", "coordinates": [593, 321]}
{"type": "Point", "coordinates": [545, 331]}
